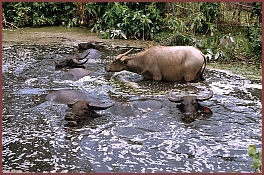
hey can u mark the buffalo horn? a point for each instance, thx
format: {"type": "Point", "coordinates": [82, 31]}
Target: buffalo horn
{"type": "Point", "coordinates": [75, 60]}
{"type": "Point", "coordinates": [202, 98]}
{"type": "Point", "coordinates": [100, 107]}
{"type": "Point", "coordinates": [85, 56]}
{"type": "Point", "coordinates": [81, 63]}
{"type": "Point", "coordinates": [118, 57]}
{"type": "Point", "coordinates": [78, 62]}
{"type": "Point", "coordinates": [174, 99]}
{"type": "Point", "coordinates": [124, 54]}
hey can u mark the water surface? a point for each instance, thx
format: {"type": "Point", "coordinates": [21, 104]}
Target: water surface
{"type": "Point", "coordinates": [36, 139]}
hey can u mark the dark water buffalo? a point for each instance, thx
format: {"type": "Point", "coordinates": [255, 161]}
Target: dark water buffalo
{"type": "Point", "coordinates": [190, 106]}
{"type": "Point", "coordinates": [76, 73]}
{"type": "Point", "coordinates": [90, 45]}
{"type": "Point", "coordinates": [73, 61]}
{"type": "Point", "coordinates": [68, 96]}
{"type": "Point", "coordinates": [136, 107]}
{"type": "Point", "coordinates": [82, 110]}
{"type": "Point", "coordinates": [167, 63]}
{"type": "Point", "coordinates": [82, 105]}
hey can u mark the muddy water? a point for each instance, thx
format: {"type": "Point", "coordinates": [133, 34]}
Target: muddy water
{"type": "Point", "coordinates": [36, 139]}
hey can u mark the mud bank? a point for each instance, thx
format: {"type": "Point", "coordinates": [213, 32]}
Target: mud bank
{"type": "Point", "coordinates": [64, 36]}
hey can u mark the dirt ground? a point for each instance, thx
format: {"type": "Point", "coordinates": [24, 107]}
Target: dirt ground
{"type": "Point", "coordinates": [50, 37]}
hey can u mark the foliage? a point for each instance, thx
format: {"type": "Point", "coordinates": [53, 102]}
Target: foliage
{"type": "Point", "coordinates": [254, 44]}
{"type": "Point", "coordinates": [37, 13]}
{"type": "Point", "coordinates": [203, 20]}
{"type": "Point", "coordinates": [256, 11]}
{"type": "Point", "coordinates": [211, 12]}
{"type": "Point", "coordinates": [220, 47]}
{"type": "Point", "coordinates": [16, 13]}
{"type": "Point", "coordinates": [254, 33]}
{"type": "Point", "coordinates": [172, 39]}
{"type": "Point", "coordinates": [142, 22]}
{"type": "Point", "coordinates": [256, 157]}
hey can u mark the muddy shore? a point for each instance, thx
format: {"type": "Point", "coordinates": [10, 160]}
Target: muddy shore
{"type": "Point", "coordinates": [63, 36]}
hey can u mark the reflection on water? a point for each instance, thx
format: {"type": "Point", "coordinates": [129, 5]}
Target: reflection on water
{"type": "Point", "coordinates": [35, 137]}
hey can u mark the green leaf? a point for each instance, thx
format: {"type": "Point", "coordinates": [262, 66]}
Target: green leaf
{"type": "Point", "coordinates": [252, 150]}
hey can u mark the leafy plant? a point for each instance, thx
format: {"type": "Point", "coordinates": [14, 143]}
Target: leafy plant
{"type": "Point", "coordinates": [197, 22]}
{"type": "Point", "coordinates": [37, 13]}
{"type": "Point", "coordinates": [211, 12]}
{"type": "Point", "coordinates": [141, 22]}
{"type": "Point", "coordinates": [256, 157]}
{"type": "Point", "coordinates": [256, 11]}
{"type": "Point", "coordinates": [220, 47]}
{"type": "Point", "coordinates": [254, 45]}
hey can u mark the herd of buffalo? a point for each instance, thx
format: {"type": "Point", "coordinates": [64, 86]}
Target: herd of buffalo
{"type": "Point", "coordinates": [158, 63]}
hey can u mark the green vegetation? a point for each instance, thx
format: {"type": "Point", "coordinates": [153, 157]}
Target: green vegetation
{"type": "Point", "coordinates": [202, 24]}
{"type": "Point", "coordinates": [256, 157]}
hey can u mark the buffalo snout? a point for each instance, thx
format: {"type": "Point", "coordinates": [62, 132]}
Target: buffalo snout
{"type": "Point", "coordinates": [70, 118]}
{"type": "Point", "coordinates": [188, 117]}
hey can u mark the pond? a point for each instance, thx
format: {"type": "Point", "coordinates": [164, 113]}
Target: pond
{"type": "Point", "coordinates": [35, 137]}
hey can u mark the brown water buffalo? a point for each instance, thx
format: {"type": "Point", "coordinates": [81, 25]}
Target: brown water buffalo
{"type": "Point", "coordinates": [82, 110]}
{"type": "Point", "coordinates": [190, 106]}
{"type": "Point", "coordinates": [76, 74]}
{"type": "Point", "coordinates": [163, 63]}
{"type": "Point", "coordinates": [90, 45]}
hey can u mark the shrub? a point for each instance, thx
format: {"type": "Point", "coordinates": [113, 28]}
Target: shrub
{"type": "Point", "coordinates": [256, 157]}
{"type": "Point", "coordinates": [254, 45]}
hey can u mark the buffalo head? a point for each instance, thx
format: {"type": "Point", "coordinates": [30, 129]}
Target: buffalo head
{"type": "Point", "coordinates": [90, 45]}
{"type": "Point", "coordinates": [190, 106]}
{"type": "Point", "coordinates": [72, 61]}
{"type": "Point", "coordinates": [119, 63]}
{"type": "Point", "coordinates": [81, 110]}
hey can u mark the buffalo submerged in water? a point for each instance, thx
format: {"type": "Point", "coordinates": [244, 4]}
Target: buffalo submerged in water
{"type": "Point", "coordinates": [73, 61]}
{"type": "Point", "coordinates": [190, 106]}
{"type": "Point", "coordinates": [76, 61]}
{"type": "Point", "coordinates": [76, 74]}
{"type": "Point", "coordinates": [163, 63]}
{"type": "Point", "coordinates": [81, 110]}
{"type": "Point", "coordinates": [82, 105]}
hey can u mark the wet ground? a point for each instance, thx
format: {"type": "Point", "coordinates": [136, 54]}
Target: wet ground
{"type": "Point", "coordinates": [36, 138]}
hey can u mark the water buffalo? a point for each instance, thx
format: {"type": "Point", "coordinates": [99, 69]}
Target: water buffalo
{"type": "Point", "coordinates": [82, 110]}
{"type": "Point", "coordinates": [76, 73]}
{"type": "Point", "coordinates": [163, 63]}
{"type": "Point", "coordinates": [66, 96]}
{"type": "Point", "coordinates": [90, 45]}
{"type": "Point", "coordinates": [73, 61]}
{"type": "Point", "coordinates": [136, 107]}
{"type": "Point", "coordinates": [190, 106]}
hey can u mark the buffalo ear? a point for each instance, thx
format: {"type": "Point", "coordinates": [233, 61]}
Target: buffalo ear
{"type": "Point", "coordinates": [70, 104]}
{"type": "Point", "coordinates": [206, 110]}
{"type": "Point", "coordinates": [124, 59]}
{"type": "Point", "coordinates": [181, 107]}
